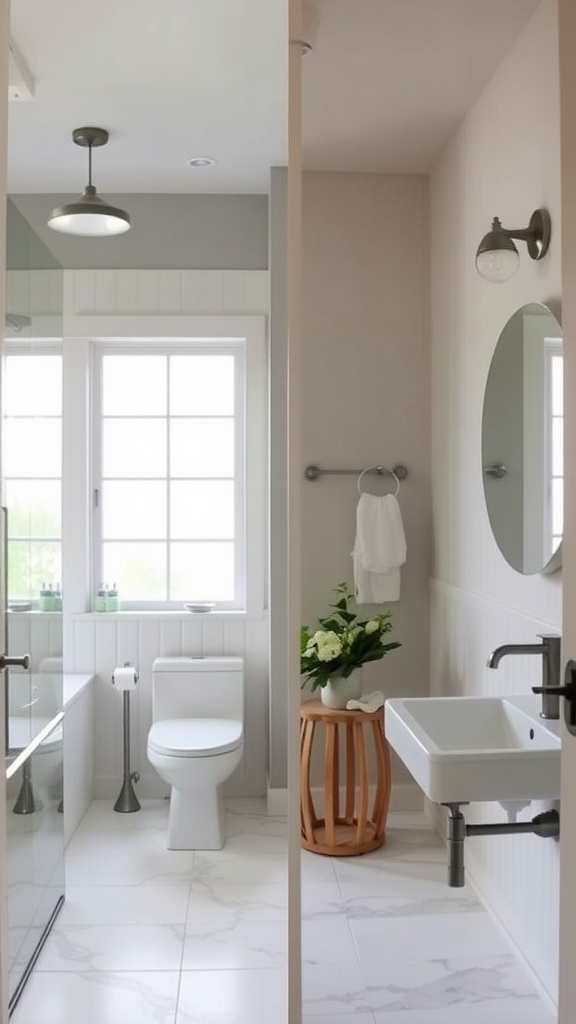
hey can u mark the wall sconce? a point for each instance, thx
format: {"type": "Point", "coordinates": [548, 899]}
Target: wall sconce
{"type": "Point", "coordinates": [497, 257]}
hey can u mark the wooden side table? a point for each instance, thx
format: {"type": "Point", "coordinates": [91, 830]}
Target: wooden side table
{"type": "Point", "coordinates": [357, 830]}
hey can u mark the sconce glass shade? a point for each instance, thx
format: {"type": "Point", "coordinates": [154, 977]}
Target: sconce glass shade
{"type": "Point", "coordinates": [90, 216]}
{"type": "Point", "coordinates": [497, 257]}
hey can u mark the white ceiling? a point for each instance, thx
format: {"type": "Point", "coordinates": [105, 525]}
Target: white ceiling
{"type": "Point", "coordinates": [170, 80]}
{"type": "Point", "coordinates": [389, 80]}
{"type": "Point", "coordinates": [383, 89]}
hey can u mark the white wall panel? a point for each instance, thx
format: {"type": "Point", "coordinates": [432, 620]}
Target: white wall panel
{"type": "Point", "coordinates": [176, 292]}
{"type": "Point", "coordinates": [111, 641]}
{"type": "Point", "coordinates": [505, 161]}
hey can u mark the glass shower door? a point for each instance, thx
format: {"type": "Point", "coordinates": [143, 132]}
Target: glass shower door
{"type": "Point", "coordinates": [31, 559]}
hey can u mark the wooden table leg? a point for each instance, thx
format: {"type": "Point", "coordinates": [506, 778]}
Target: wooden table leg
{"type": "Point", "coordinates": [308, 814]}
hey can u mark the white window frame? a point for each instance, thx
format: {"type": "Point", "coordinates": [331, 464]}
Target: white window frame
{"type": "Point", "coordinates": [552, 349]}
{"type": "Point", "coordinates": [82, 333]}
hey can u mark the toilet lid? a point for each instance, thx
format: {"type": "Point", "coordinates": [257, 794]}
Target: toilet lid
{"type": "Point", "coordinates": [195, 737]}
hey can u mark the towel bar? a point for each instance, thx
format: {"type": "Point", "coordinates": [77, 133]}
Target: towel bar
{"type": "Point", "coordinates": [313, 472]}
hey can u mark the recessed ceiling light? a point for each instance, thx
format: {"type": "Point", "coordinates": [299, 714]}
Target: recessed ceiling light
{"type": "Point", "coordinates": [201, 161]}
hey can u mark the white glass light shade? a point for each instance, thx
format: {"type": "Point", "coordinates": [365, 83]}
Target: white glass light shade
{"type": "Point", "coordinates": [497, 265]}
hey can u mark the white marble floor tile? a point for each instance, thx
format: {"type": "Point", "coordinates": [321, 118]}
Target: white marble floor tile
{"type": "Point", "coordinates": [519, 1012]}
{"type": "Point", "coordinates": [393, 872]}
{"type": "Point", "coordinates": [167, 867]}
{"type": "Point", "coordinates": [229, 904]}
{"type": "Point", "coordinates": [115, 842]}
{"type": "Point", "coordinates": [239, 868]}
{"type": "Point", "coordinates": [328, 941]}
{"type": "Point", "coordinates": [246, 844]}
{"type": "Point", "coordinates": [113, 948]}
{"type": "Point", "coordinates": [372, 907]}
{"type": "Point", "coordinates": [316, 868]}
{"type": "Point", "coordinates": [130, 904]}
{"type": "Point", "coordinates": [320, 900]}
{"type": "Point", "coordinates": [328, 989]}
{"type": "Point", "coordinates": [339, 1018]}
{"type": "Point", "coordinates": [428, 937]}
{"type": "Point", "coordinates": [233, 997]}
{"type": "Point", "coordinates": [398, 984]}
{"type": "Point", "coordinates": [248, 816]}
{"type": "Point", "coordinates": [402, 838]}
{"type": "Point", "coordinates": [99, 998]}
{"type": "Point", "coordinates": [101, 817]}
{"type": "Point", "coordinates": [402, 881]}
{"type": "Point", "coordinates": [245, 946]}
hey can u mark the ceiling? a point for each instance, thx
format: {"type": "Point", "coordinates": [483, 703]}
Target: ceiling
{"type": "Point", "coordinates": [383, 89]}
{"type": "Point", "coordinates": [169, 81]}
{"type": "Point", "coordinates": [388, 81]}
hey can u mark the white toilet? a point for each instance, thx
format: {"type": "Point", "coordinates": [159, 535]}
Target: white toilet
{"type": "Point", "coordinates": [196, 742]}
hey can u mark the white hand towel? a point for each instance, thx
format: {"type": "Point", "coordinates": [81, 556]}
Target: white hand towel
{"type": "Point", "coordinates": [368, 702]}
{"type": "Point", "coordinates": [379, 549]}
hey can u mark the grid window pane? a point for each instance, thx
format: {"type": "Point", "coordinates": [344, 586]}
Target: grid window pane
{"type": "Point", "coordinates": [134, 385]}
{"type": "Point", "coordinates": [202, 508]}
{"type": "Point", "coordinates": [202, 571]}
{"type": "Point", "coordinates": [138, 570]}
{"type": "Point", "coordinates": [32, 385]}
{"type": "Point", "coordinates": [202, 447]}
{"type": "Point", "coordinates": [31, 563]}
{"type": "Point", "coordinates": [202, 386]}
{"type": "Point", "coordinates": [558, 506]}
{"type": "Point", "coordinates": [134, 447]}
{"type": "Point", "coordinates": [32, 447]}
{"type": "Point", "coordinates": [558, 447]}
{"type": "Point", "coordinates": [557, 385]}
{"type": "Point", "coordinates": [134, 509]}
{"type": "Point", "coordinates": [34, 508]}
{"type": "Point", "coordinates": [168, 473]}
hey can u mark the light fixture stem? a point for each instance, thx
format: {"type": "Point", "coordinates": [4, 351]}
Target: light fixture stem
{"type": "Point", "coordinates": [90, 164]}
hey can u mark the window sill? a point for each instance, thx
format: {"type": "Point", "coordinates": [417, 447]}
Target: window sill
{"type": "Point", "coordinates": [172, 615]}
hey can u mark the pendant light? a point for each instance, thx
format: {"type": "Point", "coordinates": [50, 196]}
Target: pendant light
{"type": "Point", "coordinates": [89, 215]}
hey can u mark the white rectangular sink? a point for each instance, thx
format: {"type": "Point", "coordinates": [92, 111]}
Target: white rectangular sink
{"type": "Point", "coordinates": [462, 749]}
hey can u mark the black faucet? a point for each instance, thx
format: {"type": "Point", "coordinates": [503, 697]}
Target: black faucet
{"type": "Point", "coordinates": [549, 649]}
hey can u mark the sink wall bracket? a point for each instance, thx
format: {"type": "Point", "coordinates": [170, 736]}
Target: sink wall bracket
{"type": "Point", "coordinates": [545, 825]}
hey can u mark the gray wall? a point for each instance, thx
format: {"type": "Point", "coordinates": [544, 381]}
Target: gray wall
{"type": "Point", "coordinates": [169, 232]}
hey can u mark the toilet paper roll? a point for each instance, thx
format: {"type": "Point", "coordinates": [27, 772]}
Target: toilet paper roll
{"type": "Point", "coordinates": [125, 677]}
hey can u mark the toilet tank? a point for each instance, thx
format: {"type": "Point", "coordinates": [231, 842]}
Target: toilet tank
{"type": "Point", "coordinates": [197, 687]}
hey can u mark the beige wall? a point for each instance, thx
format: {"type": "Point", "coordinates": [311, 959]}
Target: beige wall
{"type": "Point", "coordinates": [365, 390]}
{"type": "Point", "coordinates": [504, 161]}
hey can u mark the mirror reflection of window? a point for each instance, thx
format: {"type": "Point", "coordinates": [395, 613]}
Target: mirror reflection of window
{"type": "Point", "coordinates": [522, 442]}
{"type": "Point", "coordinates": [554, 434]}
{"type": "Point", "coordinates": [32, 462]}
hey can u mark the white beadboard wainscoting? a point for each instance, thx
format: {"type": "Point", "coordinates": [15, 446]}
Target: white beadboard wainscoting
{"type": "Point", "coordinates": [165, 292]}
{"type": "Point", "coordinates": [100, 642]}
{"type": "Point", "coordinates": [517, 875]}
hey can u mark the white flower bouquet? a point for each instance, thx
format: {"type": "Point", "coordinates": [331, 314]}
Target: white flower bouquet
{"type": "Point", "coordinates": [343, 643]}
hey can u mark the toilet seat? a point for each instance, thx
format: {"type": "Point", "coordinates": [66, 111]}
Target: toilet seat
{"type": "Point", "coordinates": [195, 737]}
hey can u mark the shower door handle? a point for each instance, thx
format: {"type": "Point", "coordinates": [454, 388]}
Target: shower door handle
{"type": "Point", "coordinates": [10, 661]}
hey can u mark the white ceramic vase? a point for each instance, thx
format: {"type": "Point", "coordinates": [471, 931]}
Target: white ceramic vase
{"type": "Point", "coordinates": [339, 691]}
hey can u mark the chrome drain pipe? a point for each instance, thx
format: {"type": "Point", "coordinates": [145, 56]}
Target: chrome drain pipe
{"type": "Point", "coordinates": [545, 825]}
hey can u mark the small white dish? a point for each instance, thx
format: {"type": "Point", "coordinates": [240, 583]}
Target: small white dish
{"type": "Point", "coordinates": [199, 606]}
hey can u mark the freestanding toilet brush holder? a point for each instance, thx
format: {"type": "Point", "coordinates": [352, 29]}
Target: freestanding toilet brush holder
{"type": "Point", "coordinates": [125, 679]}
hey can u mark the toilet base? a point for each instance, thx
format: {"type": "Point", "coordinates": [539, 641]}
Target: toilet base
{"type": "Point", "coordinates": [196, 820]}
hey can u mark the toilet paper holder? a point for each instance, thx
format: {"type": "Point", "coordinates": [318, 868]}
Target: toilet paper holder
{"type": "Point", "coordinates": [127, 801]}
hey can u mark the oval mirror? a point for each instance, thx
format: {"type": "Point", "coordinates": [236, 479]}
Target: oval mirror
{"type": "Point", "coordinates": [522, 440]}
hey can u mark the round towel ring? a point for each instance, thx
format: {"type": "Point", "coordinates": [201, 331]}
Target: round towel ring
{"type": "Point", "coordinates": [380, 470]}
